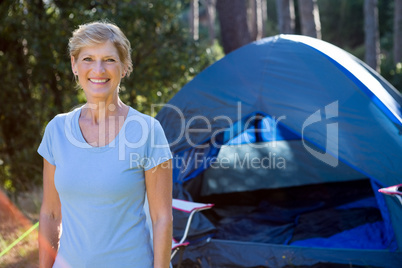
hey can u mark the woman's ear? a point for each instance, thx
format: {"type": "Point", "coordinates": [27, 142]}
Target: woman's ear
{"type": "Point", "coordinates": [124, 73]}
{"type": "Point", "coordinates": [73, 68]}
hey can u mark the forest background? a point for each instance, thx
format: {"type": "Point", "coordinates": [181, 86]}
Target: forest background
{"type": "Point", "coordinates": [173, 40]}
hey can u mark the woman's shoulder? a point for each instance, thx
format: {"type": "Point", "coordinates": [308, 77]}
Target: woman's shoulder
{"type": "Point", "coordinates": [133, 114]}
{"type": "Point", "coordinates": [138, 123]}
{"type": "Point", "coordinates": [59, 120]}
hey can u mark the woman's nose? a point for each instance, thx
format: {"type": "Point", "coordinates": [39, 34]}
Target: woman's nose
{"type": "Point", "coordinates": [99, 68]}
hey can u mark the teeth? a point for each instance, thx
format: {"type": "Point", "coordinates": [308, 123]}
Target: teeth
{"type": "Point", "coordinates": [98, 80]}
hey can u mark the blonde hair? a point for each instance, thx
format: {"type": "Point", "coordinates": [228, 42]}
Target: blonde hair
{"type": "Point", "coordinates": [98, 32]}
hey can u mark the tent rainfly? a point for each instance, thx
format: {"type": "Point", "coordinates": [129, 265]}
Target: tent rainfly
{"type": "Point", "coordinates": [291, 138]}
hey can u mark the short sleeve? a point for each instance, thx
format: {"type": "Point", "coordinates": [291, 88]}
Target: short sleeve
{"type": "Point", "coordinates": [158, 150]}
{"type": "Point", "coordinates": [45, 148]}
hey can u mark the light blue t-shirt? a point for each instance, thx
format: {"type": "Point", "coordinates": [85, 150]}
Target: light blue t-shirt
{"type": "Point", "coordinates": [102, 190]}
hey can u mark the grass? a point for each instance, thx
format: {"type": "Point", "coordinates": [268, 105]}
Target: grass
{"type": "Point", "coordinates": [13, 224]}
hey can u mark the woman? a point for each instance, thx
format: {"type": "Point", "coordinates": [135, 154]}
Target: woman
{"type": "Point", "coordinates": [99, 162]}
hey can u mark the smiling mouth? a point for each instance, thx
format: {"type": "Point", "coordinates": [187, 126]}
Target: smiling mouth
{"type": "Point", "coordinates": [98, 81]}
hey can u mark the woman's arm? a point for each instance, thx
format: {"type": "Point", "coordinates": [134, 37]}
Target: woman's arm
{"type": "Point", "coordinates": [49, 219]}
{"type": "Point", "coordinates": [158, 182]}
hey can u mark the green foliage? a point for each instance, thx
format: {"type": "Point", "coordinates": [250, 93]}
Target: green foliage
{"type": "Point", "coordinates": [342, 24]}
{"type": "Point", "coordinates": [392, 72]}
{"type": "Point", "coordinates": [385, 17]}
{"type": "Point", "coordinates": [37, 82]}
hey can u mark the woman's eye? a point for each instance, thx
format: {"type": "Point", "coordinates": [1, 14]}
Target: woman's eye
{"type": "Point", "coordinates": [86, 59]}
{"type": "Point", "coordinates": [110, 60]}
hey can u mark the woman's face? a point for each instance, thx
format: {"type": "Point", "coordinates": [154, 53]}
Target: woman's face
{"type": "Point", "coordinates": [99, 70]}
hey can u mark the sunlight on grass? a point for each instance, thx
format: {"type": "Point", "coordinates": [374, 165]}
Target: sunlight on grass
{"type": "Point", "coordinates": [23, 254]}
{"type": "Point", "coordinates": [22, 232]}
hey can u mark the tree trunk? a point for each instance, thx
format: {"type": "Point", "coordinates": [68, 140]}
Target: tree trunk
{"type": "Point", "coordinates": [210, 8]}
{"type": "Point", "coordinates": [255, 19]}
{"type": "Point", "coordinates": [264, 17]}
{"type": "Point", "coordinates": [398, 31]}
{"type": "Point", "coordinates": [372, 42]}
{"type": "Point", "coordinates": [252, 19]}
{"type": "Point", "coordinates": [310, 18]}
{"type": "Point", "coordinates": [233, 24]}
{"type": "Point", "coordinates": [194, 19]}
{"type": "Point", "coordinates": [286, 16]}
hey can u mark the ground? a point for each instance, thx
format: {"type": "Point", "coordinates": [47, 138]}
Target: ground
{"type": "Point", "coordinates": [13, 223]}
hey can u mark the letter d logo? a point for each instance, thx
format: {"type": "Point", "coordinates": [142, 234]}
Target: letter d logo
{"type": "Point", "coordinates": [330, 156]}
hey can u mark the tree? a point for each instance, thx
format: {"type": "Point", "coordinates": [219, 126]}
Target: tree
{"type": "Point", "coordinates": [233, 24]}
{"type": "Point", "coordinates": [194, 19]}
{"type": "Point", "coordinates": [372, 40]}
{"type": "Point", "coordinates": [257, 18]}
{"type": "Point", "coordinates": [264, 10]}
{"type": "Point", "coordinates": [310, 18]}
{"type": "Point", "coordinates": [210, 10]}
{"type": "Point", "coordinates": [286, 16]}
{"type": "Point", "coordinates": [398, 31]}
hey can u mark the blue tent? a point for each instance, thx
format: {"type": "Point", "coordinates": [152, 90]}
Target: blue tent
{"type": "Point", "coordinates": [290, 137]}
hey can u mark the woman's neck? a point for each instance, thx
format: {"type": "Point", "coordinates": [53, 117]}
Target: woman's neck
{"type": "Point", "coordinates": [100, 111]}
